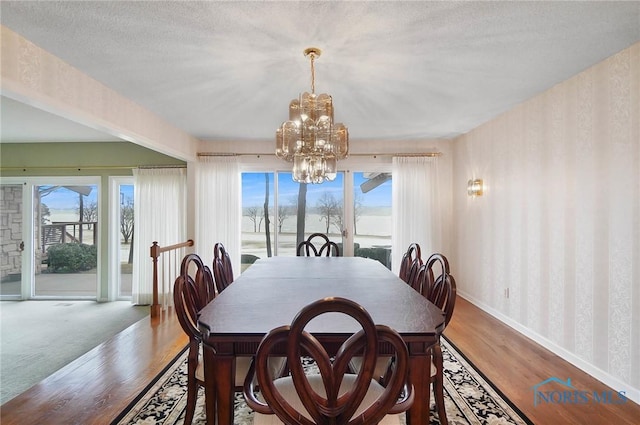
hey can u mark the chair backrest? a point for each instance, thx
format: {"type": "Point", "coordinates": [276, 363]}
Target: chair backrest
{"type": "Point", "coordinates": [222, 268]}
{"type": "Point", "coordinates": [438, 285]}
{"type": "Point", "coordinates": [444, 296]}
{"type": "Point", "coordinates": [411, 261]}
{"type": "Point", "coordinates": [192, 291]}
{"type": "Point", "coordinates": [434, 268]}
{"type": "Point", "coordinates": [318, 245]}
{"type": "Point", "coordinates": [333, 396]}
{"type": "Point", "coordinates": [417, 277]}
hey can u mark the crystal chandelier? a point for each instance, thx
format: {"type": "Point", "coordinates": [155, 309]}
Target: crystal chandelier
{"type": "Point", "coordinates": [310, 139]}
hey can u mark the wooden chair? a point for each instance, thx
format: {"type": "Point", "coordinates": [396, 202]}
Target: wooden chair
{"type": "Point", "coordinates": [309, 247]}
{"type": "Point", "coordinates": [439, 287]}
{"type": "Point", "coordinates": [416, 275]}
{"type": "Point", "coordinates": [222, 268]}
{"type": "Point", "coordinates": [191, 292]}
{"type": "Point", "coordinates": [409, 272]}
{"type": "Point", "coordinates": [411, 261]}
{"type": "Point", "coordinates": [334, 396]}
{"type": "Point", "coordinates": [435, 283]}
{"type": "Point", "coordinates": [434, 269]}
{"type": "Point", "coordinates": [410, 267]}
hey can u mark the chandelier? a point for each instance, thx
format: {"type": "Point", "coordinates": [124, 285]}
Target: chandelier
{"type": "Point", "coordinates": [310, 139]}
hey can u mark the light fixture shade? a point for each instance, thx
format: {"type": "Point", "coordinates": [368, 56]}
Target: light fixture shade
{"type": "Point", "coordinates": [310, 139]}
{"type": "Point", "coordinates": [475, 187]}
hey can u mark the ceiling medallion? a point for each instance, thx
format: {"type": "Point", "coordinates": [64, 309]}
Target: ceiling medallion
{"type": "Point", "coordinates": [310, 139]}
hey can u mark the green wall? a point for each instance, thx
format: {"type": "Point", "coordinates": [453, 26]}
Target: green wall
{"type": "Point", "coordinates": [64, 159]}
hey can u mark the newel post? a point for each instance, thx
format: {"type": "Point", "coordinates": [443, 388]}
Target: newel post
{"type": "Point", "coordinates": [155, 253]}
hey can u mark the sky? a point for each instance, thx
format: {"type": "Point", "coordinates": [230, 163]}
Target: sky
{"type": "Point", "coordinates": [63, 198]}
{"type": "Point", "coordinates": [126, 190]}
{"type": "Point", "coordinates": [253, 185]}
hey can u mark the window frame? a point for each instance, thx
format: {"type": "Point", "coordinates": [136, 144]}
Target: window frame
{"type": "Point", "coordinates": [358, 163]}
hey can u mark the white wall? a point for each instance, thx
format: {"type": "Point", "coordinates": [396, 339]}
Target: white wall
{"type": "Point", "coordinates": [33, 76]}
{"type": "Point", "coordinates": [559, 223]}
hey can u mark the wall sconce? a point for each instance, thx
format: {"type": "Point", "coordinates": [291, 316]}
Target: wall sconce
{"type": "Point", "coordinates": [475, 188]}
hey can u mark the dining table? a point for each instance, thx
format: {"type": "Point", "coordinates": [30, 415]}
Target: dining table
{"type": "Point", "coordinates": [273, 290]}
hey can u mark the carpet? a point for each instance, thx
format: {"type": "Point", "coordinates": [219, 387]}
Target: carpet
{"type": "Point", "coordinates": [38, 337]}
{"type": "Point", "coordinates": [470, 399]}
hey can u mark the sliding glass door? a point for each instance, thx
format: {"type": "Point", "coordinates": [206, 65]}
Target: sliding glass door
{"type": "Point", "coordinates": [304, 209]}
{"type": "Point", "coordinates": [278, 213]}
{"type": "Point", "coordinates": [66, 239]}
{"type": "Point", "coordinates": [50, 233]}
{"type": "Point", "coordinates": [354, 210]}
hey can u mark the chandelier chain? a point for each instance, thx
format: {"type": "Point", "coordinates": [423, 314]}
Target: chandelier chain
{"type": "Point", "coordinates": [313, 73]}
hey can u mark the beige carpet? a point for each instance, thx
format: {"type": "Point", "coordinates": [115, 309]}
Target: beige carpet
{"type": "Point", "coordinates": [39, 337]}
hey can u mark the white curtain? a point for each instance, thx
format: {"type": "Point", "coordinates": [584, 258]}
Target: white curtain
{"type": "Point", "coordinates": [218, 208]}
{"type": "Point", "coordinates": [160, 216]}
{"type": "Point", "coordinates": [416, 206]}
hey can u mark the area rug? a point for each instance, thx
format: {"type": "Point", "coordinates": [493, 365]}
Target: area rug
{"type": "Point", "coordinates": [470, 399]}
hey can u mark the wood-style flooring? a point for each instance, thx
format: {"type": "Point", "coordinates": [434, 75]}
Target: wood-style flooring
{"type": "Point", "coordinates": [95, 388]}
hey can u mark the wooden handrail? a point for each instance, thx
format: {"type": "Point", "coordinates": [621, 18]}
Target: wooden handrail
{"type": "Point", "coordinates": [156, 250]}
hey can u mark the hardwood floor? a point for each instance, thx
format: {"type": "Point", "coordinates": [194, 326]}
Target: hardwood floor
{"type": "Point", "coordinates": [514, 363]}
{"type": "Point", "coordinates": [95, 388]}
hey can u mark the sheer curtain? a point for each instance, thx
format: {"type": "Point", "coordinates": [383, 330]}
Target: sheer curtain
{"type": "Point", "coordinates": [218, 208]}
{"type": "Point", "coordinates": [160, 215]}
{"type": "Point", "coordinates": [416, 206]}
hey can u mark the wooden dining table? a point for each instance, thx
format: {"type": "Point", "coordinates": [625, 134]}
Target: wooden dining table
{"type": "Point", "coordinates": [273, 290]}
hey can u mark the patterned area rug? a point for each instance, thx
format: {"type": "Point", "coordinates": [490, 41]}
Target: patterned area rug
{"type": "Point", "coordinates": [469, 398]}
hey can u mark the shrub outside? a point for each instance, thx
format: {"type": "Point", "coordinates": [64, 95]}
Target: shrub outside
{"type": "Point", "coordinates": [72, 257]}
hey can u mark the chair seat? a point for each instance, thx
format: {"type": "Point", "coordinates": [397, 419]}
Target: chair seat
{"type": "Point", "coordinates": [276, 365]}
{"type": "Point", "coordinates": [382, 364]}
{"type": "Point", "coordinates": [287, 390]}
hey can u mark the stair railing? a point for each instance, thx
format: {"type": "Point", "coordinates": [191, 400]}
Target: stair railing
{"type": "Point", "coordinates": [172, 253]}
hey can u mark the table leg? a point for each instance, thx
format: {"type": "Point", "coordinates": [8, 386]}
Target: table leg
{"type": "Point", "coordinates": [210, 385]}
{"type": "Point", "coordinates": [225, 388]}
{"type": "Point", "coordinates": [419, 373]}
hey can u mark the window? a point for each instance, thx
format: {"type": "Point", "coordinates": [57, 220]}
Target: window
{"type": "Point", "coordinates": [307, 209]}
{"type": "Point", "coordinates": [294, 211]}
{"type": "Point", "coordinates": [257, 236]}
{"type": "Point", "coordinates": [121, 237]}
{"type": "Point", "coordinates": [372, 216]}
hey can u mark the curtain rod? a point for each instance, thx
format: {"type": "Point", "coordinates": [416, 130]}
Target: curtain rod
{"type": "Point", "coordinates": [160, 166]}
{"type": "Point", "coordinates": [374, 154]}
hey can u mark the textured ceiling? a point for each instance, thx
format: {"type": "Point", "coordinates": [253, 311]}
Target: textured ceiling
{"type": "Point", "coordinates": [396, 70]}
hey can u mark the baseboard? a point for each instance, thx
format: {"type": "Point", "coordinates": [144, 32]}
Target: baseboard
{"type": "Point", "coordinates": [631, 393]}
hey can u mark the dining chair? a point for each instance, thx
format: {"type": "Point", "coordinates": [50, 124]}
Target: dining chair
{"type": "Point", "coordinates": [410, 267]}
{"type": "Point", "coordinates": [411, 261]}
{"type": "Point", "coordinates": [332, 395]}
{"type": "Point", "coordinates": [435, 268]}
{"type": "Point", "coordinates": [191, 292]}
{"type": "Point", "coordinates": [434, 281]}
{"type": "Point", "coordinates": [312, 248]}
{"type": "Point", "coordinates": [222, 268]}
{"type": "Point", "coordinates": [415, 276]}
{"type": "Point", "coordinates": [423, 278]}
{"type": "Point", "coordinates": [439, 287]}
{"type": "Point", "coordinates": [193, 289]}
